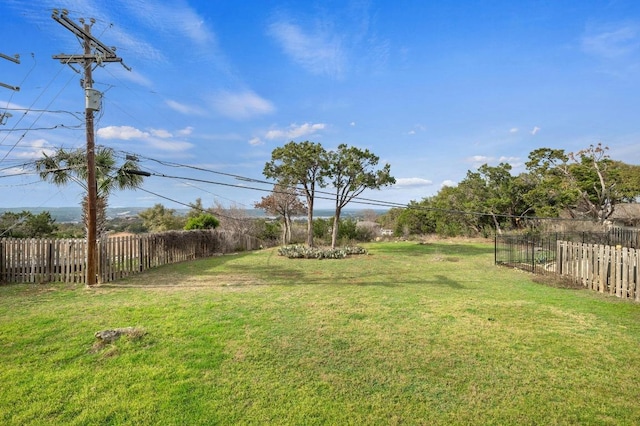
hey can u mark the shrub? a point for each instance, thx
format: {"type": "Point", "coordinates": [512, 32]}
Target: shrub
{"type": "Point", "coordinates": [202, 221]}
{"type": "Point", "coordinates": [298, 251]}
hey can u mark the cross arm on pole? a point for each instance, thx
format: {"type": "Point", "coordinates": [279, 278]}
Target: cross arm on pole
{"type": "Point", "coordinates": [64, 20]}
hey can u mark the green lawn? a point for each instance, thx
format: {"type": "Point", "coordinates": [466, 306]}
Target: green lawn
{"type": "Point", "coordinates": [410, 334]}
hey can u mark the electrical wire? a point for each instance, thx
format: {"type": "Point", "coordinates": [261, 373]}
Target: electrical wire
{"type": "Point", "coordinates": [355, 200]}
{"type": "Point", "coordinates": [58, 126]}
{"type": "Point", "coordinates": [37, 118]}
{"type": "Point", "coordinates": [74, 114]}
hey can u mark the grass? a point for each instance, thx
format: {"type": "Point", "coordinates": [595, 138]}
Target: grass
{"type": "Point", "coordinates": [410, 334]}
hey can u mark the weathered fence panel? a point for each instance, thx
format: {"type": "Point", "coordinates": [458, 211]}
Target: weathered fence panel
{"type": "Point", "coordinates": [601, 268]}
{"type": "Point", "coordinates": [42, 260]}
{"type": "Point", "coordinates": [64, 260]}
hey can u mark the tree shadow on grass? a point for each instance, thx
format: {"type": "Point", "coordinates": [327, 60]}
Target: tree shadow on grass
{"type": "Point", "coordinates": [445, 281]}
{"type": "Point", "coordinates": [217, 272]}
{"type": "Point", "coordinates": [420, 249]}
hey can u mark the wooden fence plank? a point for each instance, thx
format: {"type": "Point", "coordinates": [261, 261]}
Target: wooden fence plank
{"type": "Point", "coordinates": [605, 269]}
{"type": "Point", "coordinates": [64, 260]}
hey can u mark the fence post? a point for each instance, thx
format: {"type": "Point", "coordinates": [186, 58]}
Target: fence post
{"type": "Point", "coordinates": [2, 261]}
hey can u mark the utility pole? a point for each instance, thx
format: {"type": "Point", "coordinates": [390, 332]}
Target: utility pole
{"type": "Point", "coordinates": [16, 58]}
{"type": "Point", "coordinates": [95, 52]}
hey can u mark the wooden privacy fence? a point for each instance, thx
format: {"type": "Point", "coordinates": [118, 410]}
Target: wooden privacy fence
{"type": "Point", "coordinates": [607, 269]}
{"type": "Point", "coordinates": [64, 260]}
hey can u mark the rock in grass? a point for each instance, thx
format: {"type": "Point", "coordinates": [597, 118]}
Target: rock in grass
{"type": "Point", "coordinates": [110, 336]}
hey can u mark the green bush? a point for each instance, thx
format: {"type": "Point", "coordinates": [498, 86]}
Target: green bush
{"type": "Point", "coordinates": [202, 221]}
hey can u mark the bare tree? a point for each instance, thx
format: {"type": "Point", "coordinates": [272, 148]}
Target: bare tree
{"type": "Point", "coordinates": [233, 218]}
{"type": "Point", "coordinates": [284, 202]}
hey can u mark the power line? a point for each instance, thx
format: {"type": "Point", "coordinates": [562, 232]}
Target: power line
{"type": "Point", "coordinates": [57, 126]}
{"type": "Point", "coordinates": [74, 114]}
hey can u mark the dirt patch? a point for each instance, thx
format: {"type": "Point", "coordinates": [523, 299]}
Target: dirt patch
{"type": "Point", "coordinates": [553, 280]}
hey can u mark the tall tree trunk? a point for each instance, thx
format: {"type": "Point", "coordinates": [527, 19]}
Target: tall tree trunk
{"type": "Point", "coordinates": [334, 231]}
{"type": "Point", "coordinates": [287, 220]}
{"type": "Point", "coordinates": [283, 238]}
{"type": "Point", "coordinates": [310, 222]}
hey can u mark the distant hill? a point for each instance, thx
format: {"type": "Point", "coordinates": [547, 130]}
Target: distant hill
{"type": "Point", "coordinates": [74, 214]}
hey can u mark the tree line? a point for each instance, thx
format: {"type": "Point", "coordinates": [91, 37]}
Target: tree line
{"type": "Point", "coordinates": [586, 184]}
{"type": "Point", "coordinates": [297, 167]}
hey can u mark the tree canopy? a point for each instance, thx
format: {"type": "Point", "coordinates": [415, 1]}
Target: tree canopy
{"type": "Point", "coordinates": [351, 171]}
{"type": "Point", "coordinates": [159, 218]}
{"type": "Point", "coordinates": [584, 184]}
{"type": "Point", "coordinates": [67, 166]}
{"type": "Point", "coordinates": [27, 225]}
{"type": "Point", "coordinates": [300, 163]}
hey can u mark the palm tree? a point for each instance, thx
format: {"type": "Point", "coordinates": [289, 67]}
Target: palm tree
{"type": "Point", "coordinates": [71, 166]}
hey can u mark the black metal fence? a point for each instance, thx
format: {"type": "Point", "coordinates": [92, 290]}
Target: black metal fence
{"type": "Point", "coordinates": [537, 252]}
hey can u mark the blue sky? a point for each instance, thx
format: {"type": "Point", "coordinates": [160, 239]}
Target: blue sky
{"type": "Point", "coordinates": [434, 88]}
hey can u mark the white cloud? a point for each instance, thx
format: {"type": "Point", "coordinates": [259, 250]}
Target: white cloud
{"type": "Point", "coordinates": [166, 145]}
{"type": "Point", "coordinates": [412, 182]}
{"type": "Point", "coordinates": [612, 42]}
{"type": "Point", "coordinates": [35, 149]}
{"type": "Point", "coordinates": [479, 159]}
{"type": "Point", "coordinates": [535, 130]}
{"type": "Point", "coordinates": [182, 108]}
{"type": "Point", "coordinates": [256, 142]}
{"type": "Point", "coordinates": [417, 128]}
{"type": "Point", "coordinates": [186, 131]}
{"type": "Point", "coordinates": [352, 124]}
{"type": "Point", "coordinates": [241, 105]}
{"type": "Point", "coordinates": [174, 18]}
{"type": "Point", "coordinates": [156, 138]}
{"type": "Point", "coordinates": [121, 132]}
{"type": "Point", "coordinates": [508, 159]}
{"type": "Point", "coordinates": [513, 130]}
{"type": "Point", "coordinates": [319, 53]}
{"type": "Point", "coordinates": [448, 183]}
{"type": "Point", "coordinates": [294, 131]}
{"type": "Point", "coordinates": [160, 133]}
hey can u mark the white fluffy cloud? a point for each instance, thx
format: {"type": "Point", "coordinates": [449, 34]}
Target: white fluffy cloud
{"type": "Point", "coordinates": [121, 132]}
{"type": "Point", "coordinates": [156, 138]}
{"type": "Point", "coordinates": [34, 150]}
{"type": "Point", "coordinates": [161, 133]}
{"type": "Point", "coordinates": [535, 130]}
{"type": "Point", "coordinates": [294, 131]}
{"type": "Point", "coordinates": [479, 159]}
{"type": "Point", "coordinates": [186, 131]}
{"type": "Point", "coordinates": [412, 182]}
